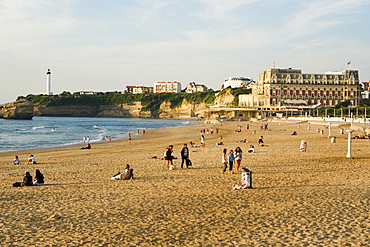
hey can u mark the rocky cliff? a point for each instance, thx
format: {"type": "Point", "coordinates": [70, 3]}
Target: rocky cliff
{"type": "Point", "coordinates": [82, 111]}
{"type": "Point", "coordinates": [22, 109]}
{"type": "Point", "coordinates": [185, 110]}
{"type": "Point", "coordinates": [224, 99]}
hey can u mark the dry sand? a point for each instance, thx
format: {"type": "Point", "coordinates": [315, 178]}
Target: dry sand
{"type": "Point", "coordinates": [316, 198]}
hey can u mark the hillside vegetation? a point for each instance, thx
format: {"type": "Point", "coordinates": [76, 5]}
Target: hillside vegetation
{"type": "Point", "coordinates": [150, 101]}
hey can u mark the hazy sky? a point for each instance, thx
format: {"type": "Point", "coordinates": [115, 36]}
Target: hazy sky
{"type": "Point", "coordinates": [104, 45]}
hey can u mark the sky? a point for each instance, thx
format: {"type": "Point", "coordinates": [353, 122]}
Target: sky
{"type": "Point", "coordinates": [106, 45]}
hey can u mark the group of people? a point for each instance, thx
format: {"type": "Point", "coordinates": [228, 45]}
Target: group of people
{"type": "Point", "coordinates": [29, 181]}
{"type": "Point", "coordinates": [228, 160]}
{"type": "Point", "coordinates": [208, 131]}
{"type": "Point", "coordinates": [168, 156]}
{"type": "Point", "coordinates": [31, 160]}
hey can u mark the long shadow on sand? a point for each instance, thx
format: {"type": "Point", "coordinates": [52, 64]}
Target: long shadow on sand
{"type": "Point", "coordinates": [300, 186]}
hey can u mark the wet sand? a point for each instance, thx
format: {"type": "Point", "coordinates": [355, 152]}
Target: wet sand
{"type": "Point", "coordinates": [313, 198]}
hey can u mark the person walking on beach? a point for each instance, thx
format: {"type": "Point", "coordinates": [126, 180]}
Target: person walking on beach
{"type": "Point", "coordinates": [202, 144]}
{"type": "Point", "coordinates": [168, 157]}
{"type": "Point", "coordinates": [224, 160]}
{"type": "Point", "coordinates": [231, 161]}
{"type": "Point", "coordinates": [238, 157]}
{"type": "Point", "coordinates": [184, 156]}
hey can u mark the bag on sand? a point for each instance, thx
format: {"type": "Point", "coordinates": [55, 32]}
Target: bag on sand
{"type": "Point", "coordinates": [17, 184]}
{"type": "Point", "coordinates": [188, 162]}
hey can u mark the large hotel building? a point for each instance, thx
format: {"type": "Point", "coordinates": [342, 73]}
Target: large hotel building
{"type": "Point", "coordinates": [278, 87]}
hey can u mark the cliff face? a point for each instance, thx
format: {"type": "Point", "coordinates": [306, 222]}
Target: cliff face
{"type": "Point", "coordinates": [224, 99]}
{"type": "Point", "coordinates": [186, 110]}
{"type": "Point", "coordinates": [22, 109]}
{"type": "Point", "coordinates": [82, 111]}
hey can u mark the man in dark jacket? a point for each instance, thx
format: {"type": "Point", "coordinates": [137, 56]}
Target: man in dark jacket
{"type": "Point", "coordinates": [184, 156]}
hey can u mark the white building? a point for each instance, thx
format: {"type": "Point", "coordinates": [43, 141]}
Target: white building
{"type": "Point", "coordinates": [234, 82]}
{"type": "Point", "coordinates": [138, 89]}
{"type": "Point", "coordinates": [192, 87]}
{"type": "Point", "coordinates": [167, 87]}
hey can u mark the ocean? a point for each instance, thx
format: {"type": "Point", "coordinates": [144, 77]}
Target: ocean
{"type": "Point", "coordinates": [50, 132]}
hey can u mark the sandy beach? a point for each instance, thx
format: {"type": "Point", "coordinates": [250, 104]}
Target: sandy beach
{"type": "Point", "coordinates": [313, 198]}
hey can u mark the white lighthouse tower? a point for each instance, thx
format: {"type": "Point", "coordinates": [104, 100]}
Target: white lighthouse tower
{"type": "Point", "coordinates": [48, 81]}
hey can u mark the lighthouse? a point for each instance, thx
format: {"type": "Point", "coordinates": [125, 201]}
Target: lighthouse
{"type": "Point", "coordinates": [48, 81]}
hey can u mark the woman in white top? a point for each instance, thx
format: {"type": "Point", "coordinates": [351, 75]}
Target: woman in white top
{"type": "Point", "coordinates": [224, 160]}
{"type": "Point", "coordinates": [238, 157]}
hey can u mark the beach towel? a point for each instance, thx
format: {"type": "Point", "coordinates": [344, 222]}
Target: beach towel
{"type": "Point", "coordinates": [117, 176]}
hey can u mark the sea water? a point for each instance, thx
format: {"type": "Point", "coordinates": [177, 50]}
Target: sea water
{"type": "Point", "coordinates": [48, 132]}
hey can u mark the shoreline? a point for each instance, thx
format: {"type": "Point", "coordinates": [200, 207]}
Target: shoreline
{"type": "Point", "coordinates": [318, 197]}
{"type": "Point", "coordinates": [81, 143]}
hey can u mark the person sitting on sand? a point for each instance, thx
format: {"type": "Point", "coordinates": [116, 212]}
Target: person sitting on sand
{"type": "Point", "coordinates": [16, 160]}
{"type": "Point", "coordinates": [251, 149]}
{"type": "Point", "coordinates": [129, 173]}
{"type": "Point", "coordinates": [31, 160]}
{"type": "Point", "coordinates": [219, 143]}
{"type": "Point", "coordinates": [260, 141]}
{"type": "Point", "coordinates": [294, 133]}
{"type": "Point", "coordinates": [39, 178]}
{"type": "Point", "coordinates": [87, 147]}
{"type": "Point", "coordinates": [27, 180]}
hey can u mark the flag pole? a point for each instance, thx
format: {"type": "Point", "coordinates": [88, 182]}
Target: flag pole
{"type": "Point", "coordinates": [349, 65]}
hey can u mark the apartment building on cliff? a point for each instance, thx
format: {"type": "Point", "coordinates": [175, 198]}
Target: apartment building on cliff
{"type": "Point", "coordinates": [167, 87]}
{"type": "Point", "coordinates": [280, 87]}
{"type": "Point", "coordinates": [192, 87]}
{"type": "Point", "coordinates": [138, 89]}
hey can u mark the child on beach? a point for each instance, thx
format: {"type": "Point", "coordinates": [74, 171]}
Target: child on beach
{"type": "Point", "coordinates": [231, 161]}
{"type": "Point", "coordinates": [224, 160]}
